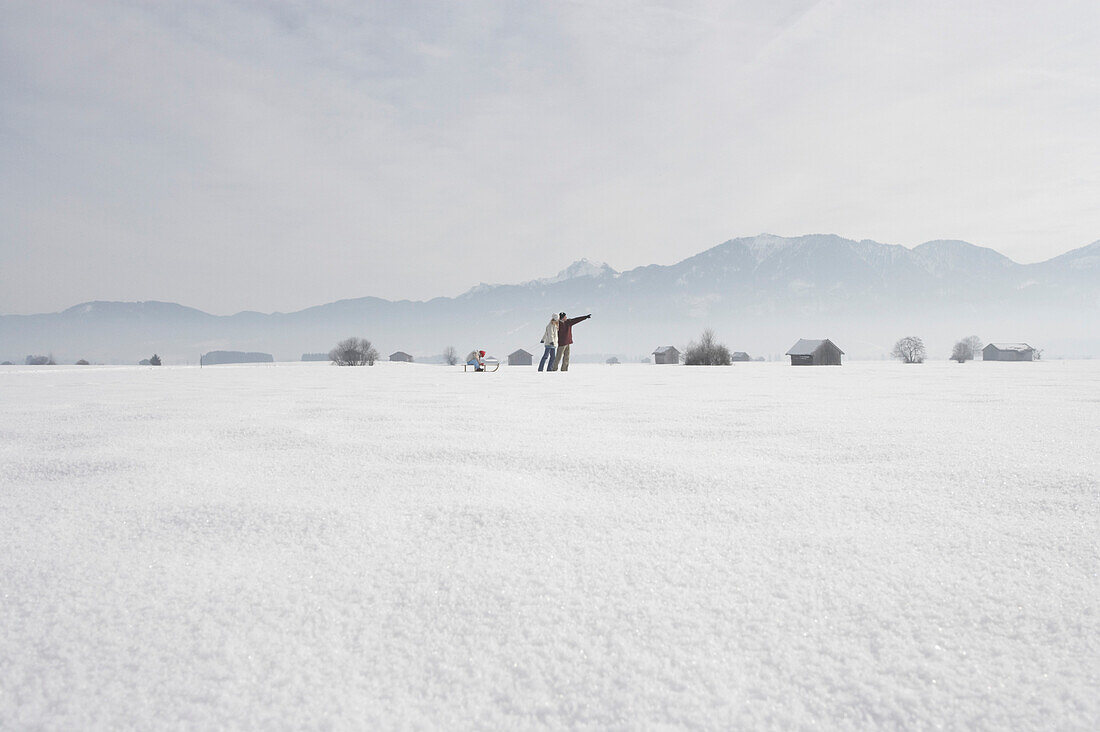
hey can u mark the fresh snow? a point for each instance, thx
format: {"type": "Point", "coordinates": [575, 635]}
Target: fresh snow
{"type": "Point", "coordinates": [404, 545]}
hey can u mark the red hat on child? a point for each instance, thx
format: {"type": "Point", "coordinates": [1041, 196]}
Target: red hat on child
{"type": "Point", "coordinates": [481, 353]}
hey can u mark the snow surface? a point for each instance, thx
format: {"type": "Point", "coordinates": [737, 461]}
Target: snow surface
{"type": "Point", "coordinates": [299, 545]}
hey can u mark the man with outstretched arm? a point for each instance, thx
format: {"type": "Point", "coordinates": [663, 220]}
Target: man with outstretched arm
{"type": "Point", "coordinates": [565, 339]}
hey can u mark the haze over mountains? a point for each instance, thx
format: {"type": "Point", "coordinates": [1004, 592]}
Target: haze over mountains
{"type": "Point", "coordinates": [760, 294]}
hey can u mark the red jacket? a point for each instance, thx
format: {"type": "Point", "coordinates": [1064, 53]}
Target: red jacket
{"type": "Point", "coordinates": [565, 330]}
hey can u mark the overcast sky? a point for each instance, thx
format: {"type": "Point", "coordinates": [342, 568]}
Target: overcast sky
{"type": "Point", "coordinates": [243, 155]}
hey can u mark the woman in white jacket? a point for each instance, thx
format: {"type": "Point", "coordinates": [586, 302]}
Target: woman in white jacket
{"type": "Point", "coordinates": [550, 341]}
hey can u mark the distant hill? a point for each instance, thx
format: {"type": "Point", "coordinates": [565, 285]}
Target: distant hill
{"type": "Point", "coordinates": [760, 294]}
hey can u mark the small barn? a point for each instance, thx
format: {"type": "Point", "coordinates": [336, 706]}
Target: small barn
{"type": "Point", "coordinates": [401, 356]}
{"type": "Point", "coordinates": [815, 353]}
{"type": "Point", "coordinates": [519, 358]}
{"type": "Point", "coordinates": [740, 356]}
{"type": "Point", "coordinates": [666, 354]}
{"type": "Point", "coordinates": [1008, 352]}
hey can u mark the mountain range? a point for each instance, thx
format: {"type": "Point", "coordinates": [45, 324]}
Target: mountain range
{"type": "Point", "coordinates": [759, 294]}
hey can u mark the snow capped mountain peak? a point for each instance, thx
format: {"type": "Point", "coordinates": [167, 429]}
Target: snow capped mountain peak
{"type": "Point", "coordinates": [114, 308]}
{"type": "Point", "coordinates": [580, 268]}
{"type": "Point", "coordinates": [100, 306]}
{"type": "Point", "coordinates": [945, 255]}
{"type": "Point", "coordinates": [765, 245]}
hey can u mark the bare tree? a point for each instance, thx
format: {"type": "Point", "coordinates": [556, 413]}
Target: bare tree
{"type": "Point", "coordinates": [909, 349]}
{"type": "Point", "coordinates": [1038, 354]}
{"type": "Point", "coordinates": [450, 355]}
{"type": "Point", "coordinates": [707, 352]}
{"type": "Point", "coordinates": [966, 349]}
{"type": "Point", "coordinates": [155, 360]}
{"type": "Point", "coordinates": [39, 360]}
{"type": "Point", "coordinates": [82, 362]}
{"type": "Point", "coordinates": [353, 352]}
{"type": "Point", "coordinates": [612, 361]}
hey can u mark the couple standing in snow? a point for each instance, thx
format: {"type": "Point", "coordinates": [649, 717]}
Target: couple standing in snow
{"type": "Point", "coordinates": [558, 337]}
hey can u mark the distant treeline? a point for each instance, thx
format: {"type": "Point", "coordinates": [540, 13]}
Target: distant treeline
{"type": "Point", "coordinates": [216, 357]}
{"type": "Point", "coordinates": [315, 357]}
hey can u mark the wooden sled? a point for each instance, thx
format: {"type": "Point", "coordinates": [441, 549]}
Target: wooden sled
{"type": "Point", "coordinates": [491, 365]}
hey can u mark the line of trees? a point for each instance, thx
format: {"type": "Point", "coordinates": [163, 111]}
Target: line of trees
{"type": "Point", "coordinates": [360, 352]}
{"type": "Point", "coordinates": [910, 349]}
{"type": "Point", "coordinates": [49, 361]}
{"type": "Point", "coordinates": [707, 351]}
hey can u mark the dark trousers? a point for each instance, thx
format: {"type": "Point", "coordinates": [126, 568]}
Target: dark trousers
{"type": "Point", "coordinates": [548, 353]}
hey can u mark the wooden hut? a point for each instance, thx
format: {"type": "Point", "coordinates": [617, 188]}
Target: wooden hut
{"type": "Point", "coordinates": [519, 358]}
{"type": "Point", "coordinates": [740, 356]}
{"type": "Point", "coordinates": [666, 354]}
{"type": "Point", "coordinates": [401, 356]}
{"type": "Point", "coordinates": [1008, 352]}
{"type": "Point", "coordinates": [815, 353]}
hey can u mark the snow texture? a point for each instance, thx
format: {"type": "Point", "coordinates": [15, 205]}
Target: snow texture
{"type": "Point", "coordinates": [304, 546]}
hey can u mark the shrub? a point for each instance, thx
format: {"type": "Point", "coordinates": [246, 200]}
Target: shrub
{"type": "Point", "coordinates": [966, 349]}
{"type": "Point", "coordinates": [450, 355]}
{"type": "Point", "coordinates": [155, 360]}
{"type": "Point", "coordinates": [39, 360]}
{"type": "Point", "coordinates": [82, 362]}
{"type": "Point", "coordinates": [707, 352]}
{"type": "Point", "coordinates": [909, 349]}
{"type": "Point", "coordinates": [613, 360]}
{"type": "Point", "coordinates": [353, 352]}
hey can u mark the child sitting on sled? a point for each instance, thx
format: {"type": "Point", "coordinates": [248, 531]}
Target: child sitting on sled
{"type": "Point", "coordinates": [477, 360]}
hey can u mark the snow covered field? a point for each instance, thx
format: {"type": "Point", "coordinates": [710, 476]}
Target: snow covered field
{"type": "Point", "coordinates": [298, 545]}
